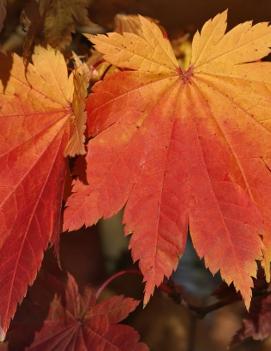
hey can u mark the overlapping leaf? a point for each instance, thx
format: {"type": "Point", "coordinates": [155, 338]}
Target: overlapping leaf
{"type": "Point", "coordinates": [183, 149]}
{"type": "Point", "coordinates": [35, 115]}
{"type": "Point", "coordinates": [53, 22]}
{"type": "Point", "coordinates": [83, 324]}
{"type": "Point", "coordinates": [256, 324]}
{"type": "Point", "coordinates": [61, 18]}
{"type": "Point", "coordinates": [81, 78]}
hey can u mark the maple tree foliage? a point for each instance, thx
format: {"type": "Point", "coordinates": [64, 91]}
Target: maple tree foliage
{"type": "Point", "coordinates": [183, 148]}
{"type": "Point", "coordinates": [80, 323]}
{"type": "Point", "coordinates": [36, 121]}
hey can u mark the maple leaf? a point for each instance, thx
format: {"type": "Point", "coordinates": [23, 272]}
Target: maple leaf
{"type": "Point", "coordinates": [35, 122]}
{"type": "Point", "coordinates": [183, 149]}
{"type": "Point", "coordinates": [123, 23]}
{"type": "Point", "coordinates": [61, 17]}
{"type": "Point", "coordinates": [256, 324]}
{"type": "Point", "coordinates": [81, 78]}
{"type": "Point", "coordinates": [53, 22]}
{"type": "Point", "coordinates": [83, 324]}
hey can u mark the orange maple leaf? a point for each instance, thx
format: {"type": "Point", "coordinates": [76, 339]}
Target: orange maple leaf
{"type": "Point", "coordinates": [183, 149]}
{"type": "Point", "coordinates": [81, 77]}
{"type": "Point", "coordinates": [35, 122]}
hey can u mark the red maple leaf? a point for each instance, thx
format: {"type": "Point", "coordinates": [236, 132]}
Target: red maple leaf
{"type": "Point", "coordinates": [82, 324]}
{"type": "Point", "coordinates": [40, 119]}
{"type": "Point", "coordinates": [183, 148]}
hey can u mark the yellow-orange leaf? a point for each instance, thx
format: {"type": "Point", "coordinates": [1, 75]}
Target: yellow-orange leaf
{"type": "Point", "coordinates": [81, 78]}
{"type": "Point", "coordinates": [183, 149]}
{"type": "Point", "coordinates": [148, 52]}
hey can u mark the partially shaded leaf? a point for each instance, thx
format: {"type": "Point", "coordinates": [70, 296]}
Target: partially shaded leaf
{"type": "Point", "coordinates": [83, 324]}
{"type": "Point", "coordinates": [81, 77]}
{"type": "Point", "coordinates": [52, 22]}
{"type": "Point", "coordinates": [256, 324]}
{"type": "Point", "coordinates": [35, 117]}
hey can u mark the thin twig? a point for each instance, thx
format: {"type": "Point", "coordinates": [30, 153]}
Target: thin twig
{"type": "Point", "coordinates": [176, 292]}
{"type": "Point", "coordinates": [113, 277]}
{"type": "Point", "coordinates": [202, 311]}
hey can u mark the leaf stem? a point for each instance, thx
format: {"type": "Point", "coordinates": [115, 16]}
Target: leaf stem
{"type": "Point", "coordinates": [113, 277]}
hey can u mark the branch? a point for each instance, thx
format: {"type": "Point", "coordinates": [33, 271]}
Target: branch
{"type": "Point", "coordinates": [202, 311]}
{"type": "Point", "coordinates": [177, 293]}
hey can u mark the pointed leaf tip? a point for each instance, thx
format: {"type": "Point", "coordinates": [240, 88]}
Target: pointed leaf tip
{"type": "Point", "coordinates": [167, 151]}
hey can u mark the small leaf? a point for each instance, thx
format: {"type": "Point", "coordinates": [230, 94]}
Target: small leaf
{"type": "Point", "coordinates": [256, 324]}
{"type": "Point", "coordinates": [83, 324]}
{"type": "Point", "coordinates": [61, 18]}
